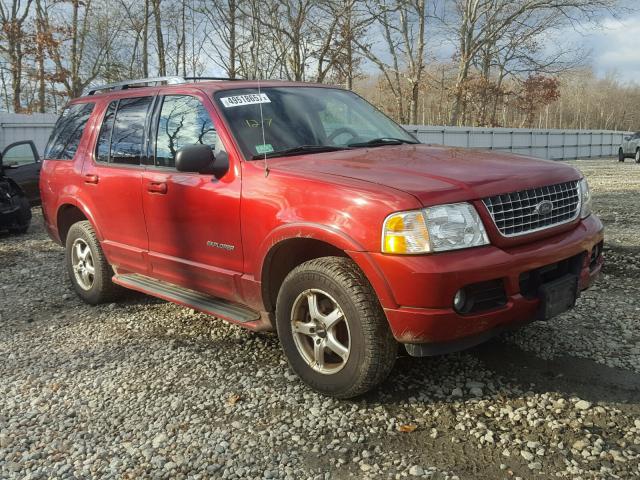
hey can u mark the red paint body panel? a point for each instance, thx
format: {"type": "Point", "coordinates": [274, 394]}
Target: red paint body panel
{"type": "Point", "coordinates": [158, 222]}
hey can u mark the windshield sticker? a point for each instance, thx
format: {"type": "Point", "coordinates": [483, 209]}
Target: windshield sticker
{"type": "Point", "coordinates": [251, 123]}
{"type": "Point", "coordinates": [248, 99]}
{"type": "Point", "coordinates": [264, 148]}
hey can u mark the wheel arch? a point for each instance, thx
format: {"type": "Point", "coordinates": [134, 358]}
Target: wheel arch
{"type": "Point", "coordinates": [67, 215]}
{"type": "Point", "coordinates": [286, 255]}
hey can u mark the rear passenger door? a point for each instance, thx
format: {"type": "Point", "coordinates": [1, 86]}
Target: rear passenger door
{"type": "Point", "coordinates": [193, 220]}
{"type": "Point", "coordinates": [114, 181]}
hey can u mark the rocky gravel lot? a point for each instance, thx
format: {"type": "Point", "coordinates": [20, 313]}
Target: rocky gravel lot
{"type": "Point", "coordinates": [146, 389]}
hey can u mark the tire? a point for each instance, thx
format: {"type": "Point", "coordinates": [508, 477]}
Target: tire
{"type": "Point", "coordinates": [82, 245]}
{"type": "Point", "coordinates": [637, 156]}
{"type": "Point", "coordinates": [24, 217]}
{"type": "Point", "coordinates": [621, 155]}
{"type": "Point", "coordinates": [348, 312]}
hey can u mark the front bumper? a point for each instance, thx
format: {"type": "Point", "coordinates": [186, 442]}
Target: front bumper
{"type": "Point", "coordinates": [417, 293]}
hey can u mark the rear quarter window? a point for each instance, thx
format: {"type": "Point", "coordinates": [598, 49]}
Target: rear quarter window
{"type": "Point", "coordinates": [67, 132]}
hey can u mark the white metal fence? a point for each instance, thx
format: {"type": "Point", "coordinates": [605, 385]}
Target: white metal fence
{"type": "Point", "coordinates": [37, 127]}
{"type": "Point", "coordinates": [549, 144]}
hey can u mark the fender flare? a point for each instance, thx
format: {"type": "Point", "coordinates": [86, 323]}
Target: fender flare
{"type": "Point", "coordinates": [337, 239]}
{"type": "Point", "coordinates": [85, 211]}
{"type": "Point", "coordinates": [315, 231]}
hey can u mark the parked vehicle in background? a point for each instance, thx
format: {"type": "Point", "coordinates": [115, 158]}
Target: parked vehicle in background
{"type": "Point", "coordinates": [22, 164]}
{"type": "Point", "coordinates": [302, 209]}
{"type": "Point", "coordinates": [15, 207]}
{"type": "Point", "coordinates": [630, 148]}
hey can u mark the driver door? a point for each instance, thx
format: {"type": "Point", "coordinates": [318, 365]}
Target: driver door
{"type": "Point", "coordinates": [193, 219]}
{"type": "Point", "coordinates": [21, 163]}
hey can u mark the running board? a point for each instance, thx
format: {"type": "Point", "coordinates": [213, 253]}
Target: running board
{"type": "Point", "coordinates": [189, 298]}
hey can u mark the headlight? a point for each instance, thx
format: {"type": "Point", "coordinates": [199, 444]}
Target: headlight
{"type": "Point", "coordinates": [434, 229]}
{"type": "Point", "coordinates": [585, 198]}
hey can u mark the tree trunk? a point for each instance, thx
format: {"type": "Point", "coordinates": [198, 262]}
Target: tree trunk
{"type": "Point", "coordinates": [145, 41]}
{"type": "Point", "coordinates": [162, 69]}
{"type": "Point", "coordinates": [40, 56]}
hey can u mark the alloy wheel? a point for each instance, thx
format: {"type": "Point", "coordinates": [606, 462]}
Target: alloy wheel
{"type": "Point", "coordinates": [320, 331]}
{"type": "Point", "coordinates": [82, 263]}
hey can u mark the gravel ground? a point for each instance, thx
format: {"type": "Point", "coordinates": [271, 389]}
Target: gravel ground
{"type": "Point", "coordinates": [146, 389]}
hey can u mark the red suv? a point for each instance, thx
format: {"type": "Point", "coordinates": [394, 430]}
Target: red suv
{"type": "Point", "coordinates": [301, 208]}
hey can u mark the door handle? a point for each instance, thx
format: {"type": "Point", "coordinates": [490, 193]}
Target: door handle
{"type": "Point", "coordinates": [157, 187]}
{"type": "Point", "coordinates": [90, 178]}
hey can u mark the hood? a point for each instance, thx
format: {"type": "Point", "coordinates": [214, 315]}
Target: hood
{"type": "Point", "coordinates": [434, 175]}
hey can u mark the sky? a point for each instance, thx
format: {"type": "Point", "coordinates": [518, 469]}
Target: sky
{"type": "Point", "coordinates": [615, 47]}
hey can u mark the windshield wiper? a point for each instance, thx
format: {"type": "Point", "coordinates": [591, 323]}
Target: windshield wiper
{"type": "Point", "coordinates": [383, 141]}
{"type": "Point", "coordinates": [299, 149]}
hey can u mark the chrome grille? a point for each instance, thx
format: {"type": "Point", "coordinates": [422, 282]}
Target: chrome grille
{"type": "Point", "coordinates": [516, 213]}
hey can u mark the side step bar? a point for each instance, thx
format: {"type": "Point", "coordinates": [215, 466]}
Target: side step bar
{"type": "Point", "coordinates": [189, 298]}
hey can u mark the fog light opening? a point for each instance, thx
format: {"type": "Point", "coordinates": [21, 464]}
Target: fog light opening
{"type": "Point", "coordinates": [460, 300]}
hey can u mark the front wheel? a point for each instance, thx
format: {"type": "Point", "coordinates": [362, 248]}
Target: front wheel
{"type": "Point", "coordinates": [332, 328]}
{"type": "Point", "coordinates": [88, 269]}
{"type": "Point", "coordinates": [620, 155]}
{"type": "Point", "coordinates": [637, 157]}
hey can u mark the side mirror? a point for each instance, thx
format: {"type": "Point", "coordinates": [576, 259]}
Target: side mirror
{"type": "Point", "coordinates": [200, 159]}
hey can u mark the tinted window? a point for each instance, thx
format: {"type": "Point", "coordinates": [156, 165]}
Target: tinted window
{"type": "Point", "coordinates": [128, 130]}
{"type": "Point", "coordinates": [104, 139]}
{"type": "Point", "coordinates": [183, 121]}
{"type": "Point", "coordinates": [67, 133]}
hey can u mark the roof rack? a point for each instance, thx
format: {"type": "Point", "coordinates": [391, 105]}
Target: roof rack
{"type": "Point", "coordinates": [171, 80]}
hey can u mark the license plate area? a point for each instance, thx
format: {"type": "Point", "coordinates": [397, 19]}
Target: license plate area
{"type": "Point", "coordinates": [557, 296]}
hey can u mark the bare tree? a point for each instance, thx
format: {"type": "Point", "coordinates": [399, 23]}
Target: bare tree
{"type": "Point", "coordinates": [477, 23]}
{"type": "Point", "coordinates": [403, 25]}
{"type": "Point", "coordinates": [12, 34]}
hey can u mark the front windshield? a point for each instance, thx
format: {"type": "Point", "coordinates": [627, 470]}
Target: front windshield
{"type": "Point", "coordinates": [281, 120]}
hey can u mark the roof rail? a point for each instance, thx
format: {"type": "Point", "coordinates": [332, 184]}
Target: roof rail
{"type": "Point", "coordinates": [171, 80]}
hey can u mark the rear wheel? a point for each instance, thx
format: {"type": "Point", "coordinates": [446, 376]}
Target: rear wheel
{"type": "Point", "coordinates": [621, 155]}
{"type": "Point", "coordinates": [87, 266]}
{"type": "Point", "coordinates": [332, 328]}
{"type": "Point", "coordinates": [637, 157]}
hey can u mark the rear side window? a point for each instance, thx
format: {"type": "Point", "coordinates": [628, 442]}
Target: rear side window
{"type": "Point", "coordinates": [123, 131]}
{"type": "Point", "coordinates": [104, 140]}
{"type": "Point", "coordinates": [67, 132]}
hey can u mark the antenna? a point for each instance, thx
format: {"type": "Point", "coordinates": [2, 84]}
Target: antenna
{"type": "Point", "coordinates": [264, 141]}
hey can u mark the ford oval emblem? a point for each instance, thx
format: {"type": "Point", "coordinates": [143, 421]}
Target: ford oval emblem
{"type": "Point", "coordinates": [544, 208]}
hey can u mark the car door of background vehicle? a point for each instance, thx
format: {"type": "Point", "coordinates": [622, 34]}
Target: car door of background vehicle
{"type": "Point", "coordinates": [634, 143]}
{"type": "Point", "coordinates": [22, 164]}
{"type": "Point", "coordinates": [113, 180]}
{"type": "Point", "coordinates": [193, 220]}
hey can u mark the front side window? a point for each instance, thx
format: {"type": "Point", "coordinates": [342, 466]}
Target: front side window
{"type": "Point", "coordinates": [183, 121]}
{"type": "Point", "coordinates": [67, 132]}
{"type": "Point", "coordinates": [19, 154]}
{"type": "Point", "coordinates": [277, 121]}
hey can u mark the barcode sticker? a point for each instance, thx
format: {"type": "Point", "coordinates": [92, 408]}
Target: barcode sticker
{"type": "Point", "coordinates": [247, 99]}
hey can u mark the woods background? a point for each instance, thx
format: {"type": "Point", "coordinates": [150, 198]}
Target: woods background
{"type": "Point", "coordinates": [440, 62]}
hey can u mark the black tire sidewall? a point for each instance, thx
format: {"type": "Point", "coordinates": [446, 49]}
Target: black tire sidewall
{"type": "Point", "coordinates": [333, 384]}
{"type": "Point", "coordinates": [95, 294]}
{"type": "Point", "coordinates": [24, 217]}
{"type": "Point", "coordinates": [620, 155]}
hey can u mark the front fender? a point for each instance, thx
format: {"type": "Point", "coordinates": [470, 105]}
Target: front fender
{"type": "Point", "coordinates": [337, 239]}
{"type": "Point", "coordinates": [310, 230]}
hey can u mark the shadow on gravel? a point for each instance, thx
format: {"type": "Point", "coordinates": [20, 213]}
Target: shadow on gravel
{"type": "Point", "coordinates": [508, 366]}
{"type": "Point", "coordinates": [582, 377]}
